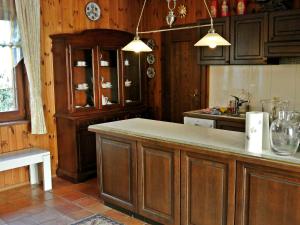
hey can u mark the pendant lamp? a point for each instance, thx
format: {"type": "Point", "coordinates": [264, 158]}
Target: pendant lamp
{"type": "Point", "coordinates": [211, 39]}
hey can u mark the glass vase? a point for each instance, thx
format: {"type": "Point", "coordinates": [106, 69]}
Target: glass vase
{"type": "Point", "coordinates": [284, 134]}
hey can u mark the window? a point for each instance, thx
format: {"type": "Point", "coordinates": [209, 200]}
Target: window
{"type": "Point", "coordinates": [11, 66]}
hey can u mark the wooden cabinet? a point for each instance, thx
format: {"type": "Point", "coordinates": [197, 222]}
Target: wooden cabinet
{"type": "Point", "coordinates": [230, 125]}
{"type": "Point", "coordinates": [207, 190]}
{"type": "Point", "coordinates": [248, 36]}
{"type": "Point", "coordinates": [159, 183]}
{"type": "Point", "coordinates": [172, 183]}
{"type": "Point", "coordinates": [219, 55]}
{"type": "Point", "coordinates": [267, 195]}
{"type": "Point", "coordinates": [284, 34]}
{"type": "Point", "coordinates": [284, 26]}
{"type": "Point", "coordinates": [117, 171]}
{"type": "Point", "coordinates": [94, 82]}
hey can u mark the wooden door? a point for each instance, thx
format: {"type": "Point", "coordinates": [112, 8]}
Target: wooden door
{"type": "Point", "coordinates": [207, 190]}
{"type": "Point", "coordinates": [248, 35]}
{"type": "Point", "coordinates": [218, 55]}
{"type": "Point", "coordinates": [117, 171]}
{"type": "Point", "coordinates": [267, 196]}
{"type": "Point", "coordinates": [184, 85]}
{"type": "Point", "coordinates": [158, 183]}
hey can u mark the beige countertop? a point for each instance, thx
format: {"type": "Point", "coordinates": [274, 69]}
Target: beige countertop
{"type": "Point", "coordinates": [213, 139]}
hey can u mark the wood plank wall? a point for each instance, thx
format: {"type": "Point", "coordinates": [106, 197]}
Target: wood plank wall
{"type": "Point", "coordinates": [60, 16]}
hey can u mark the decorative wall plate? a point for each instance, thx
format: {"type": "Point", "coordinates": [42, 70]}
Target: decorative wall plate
{"type": "Point", "coordinates": [150, 59]}
{"type": "Point", "coordinates": [182, 11]}
{"type": "Point", "coordinates": [151, 43]}
{"type": "Point", "coordinates": [93, 11]}
{"type": "Point", "coordinates": [150, 72]}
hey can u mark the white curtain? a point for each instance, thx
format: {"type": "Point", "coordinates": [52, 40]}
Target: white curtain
{"type": "Point", "coordinates": [28, 15]}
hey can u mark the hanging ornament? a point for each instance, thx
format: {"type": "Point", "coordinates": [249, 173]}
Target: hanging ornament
{"type": "Point", "coordinates": [170, 18]}
{"type": "Point", "coordinates": [182, 11]}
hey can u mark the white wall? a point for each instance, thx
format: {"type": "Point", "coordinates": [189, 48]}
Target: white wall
{"type": "Point", "coordinates": [261, 81]}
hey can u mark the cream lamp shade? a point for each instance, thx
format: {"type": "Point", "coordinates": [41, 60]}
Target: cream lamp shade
{"type": "Point", "coordinates": [212, 40]}
{"type": "Point", "coordinates": [136, 45]}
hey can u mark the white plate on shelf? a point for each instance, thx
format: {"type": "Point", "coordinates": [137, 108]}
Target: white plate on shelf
{"type": "Point", "coordinates": [82, 89]}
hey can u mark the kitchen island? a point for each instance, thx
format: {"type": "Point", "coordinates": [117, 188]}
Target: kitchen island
{"type": "Point", "coordinates": [181, 174]}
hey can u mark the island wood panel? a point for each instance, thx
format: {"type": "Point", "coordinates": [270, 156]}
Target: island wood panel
{"type": "Point", "coordinates": [207, 190]}
{"type": "Point", "coordinates": [117, 171]}
{"type": "Point", "coordinates": [61, 16]}
{"type": "Point", "coordinates": [267, 195]}
{"type": "Point", "coordinates": [159, 183]}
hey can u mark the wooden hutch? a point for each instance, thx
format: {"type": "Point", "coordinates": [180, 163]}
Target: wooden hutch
{"type": "Point", "coordinates": [95, 82]}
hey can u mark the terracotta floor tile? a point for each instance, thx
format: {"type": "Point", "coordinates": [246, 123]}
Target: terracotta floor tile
{"type": "Point", "coordinates": [76, 215]}
{"type": "Point", "coordinates": [56, 202]}
{"type": "Point", "coordinates": [67, 208]}
{"type": "Point", "coordinates": [73, 195]}
{"type": "Point", "coordinates": [98, 208]}
{"type": "Point", "coordinates": [133, 221]}
{"type": "Point", "coordinates": [23, 221]}
{"type": "Point", "coordinates": [46, 215]}
{"type": "Point", "coordinates": [87, 201]}
{"type": "Point", "coordinates": [116, 215]}
{"type": "Point", "coordinates": [58, 221]}
{"type": "Point", "coordinates": [63, 205]}
{"type": "Point", "coordinates": [11, 196]}
{"type": "Point", "coordinates": [13, 216]}
{"type": "Point", "coordinates": [2, 222]}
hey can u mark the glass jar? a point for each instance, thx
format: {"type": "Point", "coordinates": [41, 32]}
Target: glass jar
{"type": "Point", "coordinates": [273, 106]}
{"type": "Point", "coordinates": [284, 134]}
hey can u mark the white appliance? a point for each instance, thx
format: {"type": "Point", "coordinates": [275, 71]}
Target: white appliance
{"type": "Point", "coordinates": [199, 122]}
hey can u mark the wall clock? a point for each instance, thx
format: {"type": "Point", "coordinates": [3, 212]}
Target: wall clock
{"type": "Point", "coordinates": [93, 11]}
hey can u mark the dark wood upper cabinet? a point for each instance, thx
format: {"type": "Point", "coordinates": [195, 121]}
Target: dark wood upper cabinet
{"type": "Point", "coordinates": [207, 190]}
{"type": "Point", "coordinates": [284, 34]}
{"type": "Point", "coordinates": [218, 55]}
{"type": "Point", "coordinates": [159, 183]}
{"type": "Point", "coordinates": [248, 36]}
{"type": "Point", "coordinates": [117, 171]}
{"type": "Point", "coordinates": [267, 195]}
{"type": "Point", "coordinates": [284, 25]}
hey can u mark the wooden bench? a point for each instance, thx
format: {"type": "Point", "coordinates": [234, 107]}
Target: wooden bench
{"type": "Point", "coordinates": [29, 157]}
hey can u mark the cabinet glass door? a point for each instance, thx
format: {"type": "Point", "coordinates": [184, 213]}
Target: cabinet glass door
{"type": "Point", "coordinates": [132, 78]}
{"type": "Point", "coordinates": [109, 77]}
{"type": "Point", "coordinates": [82, 78]}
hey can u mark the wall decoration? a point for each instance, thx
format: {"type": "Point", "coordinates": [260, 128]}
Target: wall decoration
{"type": "Point", "coordinates": [150, 59]}
{"type": "Point", "coordinates": [93, 11]}
{"type": "Point", "coordinates": [182, 11]}
{"type": "Point", "coordinates": [150, 72]}
{"type": "Point", "coordinates": [151, 43]}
